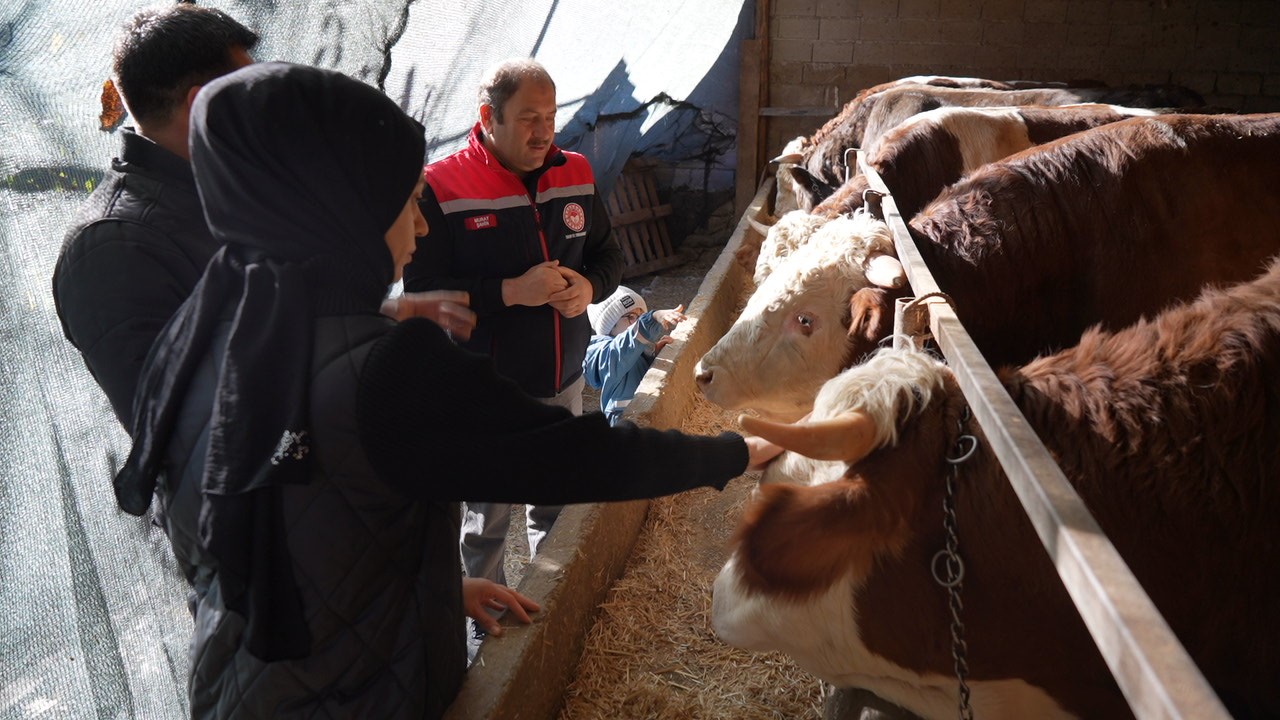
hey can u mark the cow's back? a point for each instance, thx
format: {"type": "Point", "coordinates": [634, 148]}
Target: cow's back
{"type": "Point", "coordinates": [1104, 226]}
{"type": "Point", "coordinates": [890, 108]}
{"type": "Point", "coordinates": [924, 154]}
{"type": "Point", "coordinates": [1191, 501]}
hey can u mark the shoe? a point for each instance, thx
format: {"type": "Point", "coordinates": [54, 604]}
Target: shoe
{"type": "Point", "coordinates": [474, 638]}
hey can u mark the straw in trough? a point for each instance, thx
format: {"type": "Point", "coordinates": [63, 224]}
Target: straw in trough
{"type": "Point", "coordinates": [652, 652]}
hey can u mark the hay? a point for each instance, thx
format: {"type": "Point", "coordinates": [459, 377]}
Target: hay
{"type": "Point", "coordinates": [652, 652]}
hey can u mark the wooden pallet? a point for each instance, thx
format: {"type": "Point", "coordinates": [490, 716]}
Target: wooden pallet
{"type": "Point", "coordinates": [639, 222]}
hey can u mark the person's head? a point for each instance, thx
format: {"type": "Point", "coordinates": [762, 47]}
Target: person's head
{"type": "Point", "coordinates": [409, 225]}
{"type": "Point", "coordinates": [518, 113]}
{"type": "Point", "coordinates": [310, 166]}
{"type": "Point", "coordinates": [617, 312]}
{"type": "Point", "coordinates": [164, 54]}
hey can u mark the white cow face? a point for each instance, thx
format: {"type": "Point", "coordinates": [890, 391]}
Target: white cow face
{"type": "Point", "coordinates": [789, 339]}
{"type": "Point", "coordinates": [791, 587]}
{"type": "Point", "coordinates": [793, 335]}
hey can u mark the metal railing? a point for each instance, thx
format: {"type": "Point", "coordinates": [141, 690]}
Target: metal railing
{"type": "Point", "coordinates": [1154, 671]}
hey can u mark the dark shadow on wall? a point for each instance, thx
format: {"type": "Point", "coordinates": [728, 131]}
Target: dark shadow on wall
{"type": "Point", "coordinates": [701, 132]}
{"type": "Point", "coordinates": [72, 178]}
{"type": "Point", "coordinates": [613, 125]}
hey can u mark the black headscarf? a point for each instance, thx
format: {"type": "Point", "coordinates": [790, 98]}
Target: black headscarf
{"type": "Point", "coordinates": [301, 172]}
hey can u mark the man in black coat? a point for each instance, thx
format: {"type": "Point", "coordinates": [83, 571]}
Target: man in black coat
{"type": "Point", "coordinates": [140, 243]}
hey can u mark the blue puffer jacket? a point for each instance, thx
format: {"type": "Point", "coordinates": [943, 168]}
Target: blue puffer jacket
{"type": "Point", "coordinates": [379, 578]}
{"type": "Point", "coordinates": [616, 364]}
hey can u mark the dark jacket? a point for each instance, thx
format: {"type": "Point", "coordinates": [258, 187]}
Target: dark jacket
{"type": "Point", "coordinates": [379, 573]}
{"type": "Point", "coordinates": [325, 446]}
{"type": "Point", "coordinates": [487, 225]}
{"type": "Point", "coordinates": [135, 251]}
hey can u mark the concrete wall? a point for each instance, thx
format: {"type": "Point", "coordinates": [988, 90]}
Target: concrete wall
{"type": "Point", "coordinates": [824, 51]}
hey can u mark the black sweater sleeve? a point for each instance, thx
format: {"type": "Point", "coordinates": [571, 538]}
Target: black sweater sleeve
{"type": "Point", "coordinates": [439, 423]}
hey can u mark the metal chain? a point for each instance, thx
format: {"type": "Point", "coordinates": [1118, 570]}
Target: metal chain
{"type": "Point", "coordinates": [952, 577]}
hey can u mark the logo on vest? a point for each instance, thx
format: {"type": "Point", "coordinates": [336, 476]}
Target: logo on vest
{"type": "Point", "coordinates": [482, 222]}
{"type": "Point", "coordinates": [574, 218]}
{"type": "Point", "coordinates": [292, 446]}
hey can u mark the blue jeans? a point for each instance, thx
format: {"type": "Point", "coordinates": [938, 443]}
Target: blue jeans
{"type": "Point", "coordinates": [485, 525]}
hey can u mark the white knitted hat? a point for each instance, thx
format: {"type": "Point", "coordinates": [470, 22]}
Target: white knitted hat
{"type": "Point", "coordinates": [604, 314]}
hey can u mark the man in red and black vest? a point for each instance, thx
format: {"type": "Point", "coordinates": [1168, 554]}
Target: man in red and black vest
{"type": "Point", "coordinates": [518, 223]}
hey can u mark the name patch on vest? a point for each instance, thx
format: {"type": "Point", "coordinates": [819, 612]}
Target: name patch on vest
{"type": "Point", "coordinates": [482, 222]}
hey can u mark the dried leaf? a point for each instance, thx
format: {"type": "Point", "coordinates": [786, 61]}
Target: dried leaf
{"type": "Point", "coordinates": [113, 111]}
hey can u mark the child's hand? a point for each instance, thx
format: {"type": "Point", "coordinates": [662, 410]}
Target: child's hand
{"type": "Point", "coordinates": [663, 341]}
{"type": "Point", "coordinates": [670, 318]}
{"type": "Point", "coordinates": [479, 595]}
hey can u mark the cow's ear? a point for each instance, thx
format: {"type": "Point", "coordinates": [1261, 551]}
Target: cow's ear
{"type": "Point", "coordinates": [870, 315]}
{"type": "Point", "coordinates": [796, 541]}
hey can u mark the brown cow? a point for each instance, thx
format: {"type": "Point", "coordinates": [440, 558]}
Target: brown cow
{"type": "Point", "coordinates": [872, 114]}
{"type": "Point", "coordinates": [926, 153]}
{"type": "Point", "coordinates": [1167, 429]}
{"type": "Point", "coordinates": [797, 149]}
{"type": "Point", "coordinates": [919, 158]}
{"type": "Point", "coordinates": [1102, 226]}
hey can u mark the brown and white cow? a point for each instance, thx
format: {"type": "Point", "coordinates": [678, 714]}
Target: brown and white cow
{"type": "Point", "coordinates": [787, 195]}
{"type": "Point", "coordinates": [926, 153]}
{"type": "Point", "coordinates": [1167, 429]}
{"type": "Point", "coordinates": [839, 132]}
{"type": "Point", "coordinates": [870, 115]}
{"type": "Point", "coordinates": [1102, 226]}
{"type": "Point", "coordinates": [918, 159]}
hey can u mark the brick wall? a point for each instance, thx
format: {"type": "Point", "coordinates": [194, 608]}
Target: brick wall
{"type": "Point", "coordinates": [824, 51]}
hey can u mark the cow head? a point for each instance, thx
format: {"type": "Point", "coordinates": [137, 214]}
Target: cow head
{"type": "Point", "coordinates": [837, 572]}
{"type": "Point", "coordinates": [808, 189]}
{"type": "Point", "coordinates": [848, 198]}
{"type": "Point", "coordinates": [802, 553]}
{"type": "Point", "coordinates": [795, 332]}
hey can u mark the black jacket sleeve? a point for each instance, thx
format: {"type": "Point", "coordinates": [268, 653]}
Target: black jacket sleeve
{"type": "Point", "coordinates": [432, 267]}
{"type": "Point", "coordinates": [437, 422]}
{"type": "Point", "coordinates": [114, 289]}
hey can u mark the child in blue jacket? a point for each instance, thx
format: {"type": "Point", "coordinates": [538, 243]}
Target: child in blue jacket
{"type": "Point", "coordinates": [625, 343]}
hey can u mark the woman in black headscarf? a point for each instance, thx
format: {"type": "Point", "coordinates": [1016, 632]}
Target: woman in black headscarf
{"type": "Point", "coordinates": [312, 450]}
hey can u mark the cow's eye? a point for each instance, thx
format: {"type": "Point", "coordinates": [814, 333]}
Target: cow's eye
{"type": "Point", "coordinates": [806, 323]}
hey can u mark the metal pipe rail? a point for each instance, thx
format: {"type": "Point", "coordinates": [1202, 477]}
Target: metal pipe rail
{"type": "Point", "coordinates": [1150, 665]}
